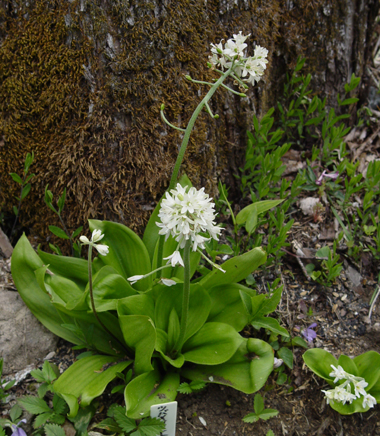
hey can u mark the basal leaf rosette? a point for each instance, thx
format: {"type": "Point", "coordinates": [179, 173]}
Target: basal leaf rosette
{"type": "Point", "coordinates": [355, 382]}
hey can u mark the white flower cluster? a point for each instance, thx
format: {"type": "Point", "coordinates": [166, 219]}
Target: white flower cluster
{"type": "Point", "coordinates": [184, 214]}
{"type": "Point", "coordinates": [342, 393]}
{"type": "Point", "coordinates": [96, 237]}
{"type": "Point", "coordinates": [233, 51]}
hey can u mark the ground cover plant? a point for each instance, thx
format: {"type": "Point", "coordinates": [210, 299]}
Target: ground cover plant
{"type": "Point", "coordinates": [153, 324]}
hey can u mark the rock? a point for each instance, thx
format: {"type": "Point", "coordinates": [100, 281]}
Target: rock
{"type": "Point", "coordinates": [23, 339]}
{"type": "Point", "coordinates": [355, 279]}
{"type": "Point", "coordinates": [309, 205]}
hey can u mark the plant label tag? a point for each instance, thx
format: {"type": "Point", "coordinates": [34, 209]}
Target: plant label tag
{"type": "Point", "coordinates": [168, 413]}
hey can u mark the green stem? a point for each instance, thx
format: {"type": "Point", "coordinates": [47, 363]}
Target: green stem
{"type": "Point", "coordinates": [182, 150]}
{"type": "Point", "coordinates": [93, 303]}
{"type": "Point", "coordinates": [185, 298]}
{"type": "Point", "coordinates": [190, 126]}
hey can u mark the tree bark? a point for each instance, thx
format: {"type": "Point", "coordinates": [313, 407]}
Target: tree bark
{"type": "Point", "coordinates": [82, 82]}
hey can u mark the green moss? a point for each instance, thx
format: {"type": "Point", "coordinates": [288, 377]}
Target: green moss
{"type": "Point", "coordinates": [83, 89]}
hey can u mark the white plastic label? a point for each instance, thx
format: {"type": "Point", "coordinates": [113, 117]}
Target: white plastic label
{"type": "Point", "coordinates": [168, 413]}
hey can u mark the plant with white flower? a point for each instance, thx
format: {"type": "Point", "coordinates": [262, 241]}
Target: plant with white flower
{"type": "Point", "coordinates": [232, 56]}
{"type": "Point", "coordinates": [95, 237]}
{"type": "Point", "coordinates": [187, 214]}
{"type": "Point", "coordinates": [342, 393]}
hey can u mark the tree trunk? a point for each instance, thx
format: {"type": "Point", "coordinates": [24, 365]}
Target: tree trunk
{"type": "Point", "coordinates": [82, 82]}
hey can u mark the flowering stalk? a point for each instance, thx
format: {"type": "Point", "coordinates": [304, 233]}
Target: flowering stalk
{"type": "Point", "coordinates": [244, 70]}
{"type": "Point", "coordinates": [185, 299]}
{"type": "Point", "coordinates": [103, 250]}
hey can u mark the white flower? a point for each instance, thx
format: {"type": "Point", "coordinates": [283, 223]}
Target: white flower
{"type": "Point", "coordinates": [329, 395]}
{"type": "Point", "coordinates": [96, 236]}
{"type": "Point", "coordinates": [343, 395]}
{"type": "Point", "coordinates": [359, 387]}
{"type": "Point", "coordinates": [184, 214]}
{"type": "Point", "coordinates": [261, 54]}
{"type": "Point", "coordinates": [168, 282]}
{"type": "Point", "coordinates": [135, 279]}
{"type": "Point", "coordinates": [175, 259]}
{"type": "Point", "coordinates": [339, 373]}
{"type": "Point", "coordinates": [236, 46]}
{"type": "Point", "coordinates": [369, 401]}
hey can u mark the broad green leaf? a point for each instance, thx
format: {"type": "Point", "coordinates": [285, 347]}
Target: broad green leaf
{"type": "Point", "coordinates": [213, 344]}
{"type": "Point", "coordinates": [148, 389]}
{"type": "Point", "coordinates": [34, 405]}
{"type": "Point", "coordinates": [299, 342]}
{"type": "Point", "coordinates": [57, 231]}
{"type": "Point", "coordinates": [141, 304]}
{"type": "Point", "coordinates": [258, 208]}
{"type": "Point", "coordinates": [108, 288]}
{"type": "Point", "coordinates": [347, 364]}
{"type": "Point", "coordinates": [236, 269]}
{"type": "Point", "coordinates": [268, 413]}
{"type": "Point", "coordinates": [173, 329]}
{"type": "Point", "coordinates": [83, 418]}
{"type": "Point", "coordinates": [139, 334]}
{"type": "Point", "coordinates": [41, 419]}
{"type": "Point", "coordinates": [258, 404]}
{"type": "Point", "coordinates": [320, 361]}
{"type": "Point", "coordinates": [251, 418]}
{"type": "Point", "coordinates": [287, 356]}
{"type": "Point", "coordinates": [348, 409]}
{"type": "Point", "coordinates": [71, 268]}
{"type": "Point", "coordinates": [24, 262]}
{"type": "Point", "coordinates": [151, 427]}
{"type": "Point", "coordinates": [271, 324]}
{"type": "Point", "coordinates": [227, 306]}
{"type": "Point", "coordinates": [86, 379]}
{"type": "Point", "coordinates": [264, 306]}
{"type": "Point", "coordinates": [170, 298]}
{"type": "Point", "coordinates": [125, 423]}
{"type": "Point", "coordinates": [110, 425]}
{"type": "Point", "coordinates": [162, 347]}
{"type": "Point", "coordinates": [127, 253]}
{"type": "Point", "coordinates": [246, 371]}
{"type": "Point", "coordinates": [368, 366]}
{"type": "Point", "coordinates": [65, 289]}
{"type": "Point", "coordinates": [54, 430]}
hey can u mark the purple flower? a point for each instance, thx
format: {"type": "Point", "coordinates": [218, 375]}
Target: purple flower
{"type": "Point", "coordinates": [333, 176]}
{"type": "Point", "coordinates": [17, 431]}
{"type": "Point", "coordinates": [309, 334]}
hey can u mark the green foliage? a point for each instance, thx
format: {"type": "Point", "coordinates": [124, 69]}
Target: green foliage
{"type": "Point", "coordinates": [46, 377]}
{"type": "Point", "coordinates": [260, 411]}
{"type": "Point", "coordinates": [4, 386]}
{"type": "Point", "coordinates": [118, 422]}
{"type": "Point", "coordinates": [38, 406]}
{"type": "Point", "coordinates": [57, 231]}
{"type": "Point", "coordinates": [330, 268]}
{"type": "Point", "coordinates": [189, 388]}
{"type": "Point", "coordinates": [25, 187]}
{"type": "Point", "coordinates": [366, 365]}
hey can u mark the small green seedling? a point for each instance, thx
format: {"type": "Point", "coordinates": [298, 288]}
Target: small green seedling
{"type": "Point", "coordinates": [260, 411]}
